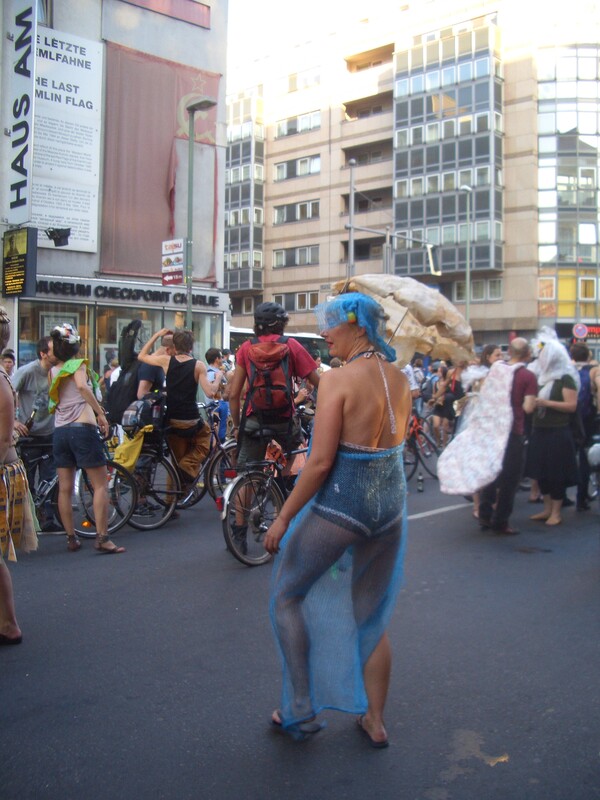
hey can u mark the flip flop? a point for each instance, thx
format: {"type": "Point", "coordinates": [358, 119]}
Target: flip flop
{"type": "Point", "coordinates": [373, 742]}
{"type": "Point", "coordinates": [7, 640]}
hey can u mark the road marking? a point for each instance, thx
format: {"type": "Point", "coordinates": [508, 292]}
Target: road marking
{"type": "Point", "coordinates": [435, 511]}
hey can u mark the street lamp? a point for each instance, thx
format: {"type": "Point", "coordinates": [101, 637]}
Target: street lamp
{"type": "Point", "coordinates": [468, 191]}
{"type": "Point", "coordinates": [350, 267]}
{"type": "Point", "coordinates": [200, 105]}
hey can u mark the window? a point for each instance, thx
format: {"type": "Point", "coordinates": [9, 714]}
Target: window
{"type": "Point", "coordinates": [449, 181]}
{"type": "Point", "coordinates": [259, 172]}
{"type": "Point", "coordinates": [449, 234]}
{"type": "Point", "coordinates": [433, 132]}
{"type": "Point", "coordinates": [494, 287]}
{"type": "Point", "coordinates": [402, 188]}
{"type": "Point", "coordinates": [432, 80]}
{"type": "Point", "coordinates": [417, 134]}
{"type": "Point", "coordinates": [235, 175]}
{"type": "Point", "coordinates": [308, 122]}
{"type": "Point", "coordinates": [449, 126]}
{"type": "Point", "coordinates": [247, 305]}
{"type": "Point", "coordinates": [587, 288]}
{"type": "Point", "coordinates": [245, 259]}
{"type": "Point", "coordinates": [294, 257]}
{"type": "Point", "coordinates": [309, 166]}
{"type": "Point", "coordinates": [482, 175]}
{"type": "Point", "coordinates": [302, 301]}
{"type": "Point", "coordinates": [433, 184]}
{"type": "Point", "coordinates": [402, 87]}
{"type": "Point", "coordinates": [279, 215]}
{"type": "Point", "coordinates": [308, 255]}
{"type": "Point", "coordinates": [482, 231]}
{"type": "Point", "coordinates": [402, 137]}
{"type": "Point", "coordinates": [234, 261]}
{"type": "Point", "coordinates": [459, 292]}
{"type": "Point", "coordinates": [280, 172]}
{"type": "Point", "coordinates": [258, 216]}
{"type": "Point", "coordinates": [477, 290]}
{"type": "Point", "coordinates": [546, 288]}
{"type": "Point", "coordinates": [307, 210]}
{"type": "Point", "coordinates": [465, 72]}
{"type": "Point", "coordinates": [257, 259]}
{"type": "Point", "coordinates": [416, 187]}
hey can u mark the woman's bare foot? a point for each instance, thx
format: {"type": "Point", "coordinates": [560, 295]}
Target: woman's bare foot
{"type": "Point", "coordinates": [543, 516]}
{"type": "Point", "coordinates": [375, 733]}
{"type": "Point", "coordinates": [553, 521]}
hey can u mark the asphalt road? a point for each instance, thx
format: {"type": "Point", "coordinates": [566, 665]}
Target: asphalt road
{"type": "Point", "coordinates": [153, 674]}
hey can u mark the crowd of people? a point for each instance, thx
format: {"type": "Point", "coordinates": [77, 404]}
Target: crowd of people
{"type": "Point", "coordinates": [340, 537]}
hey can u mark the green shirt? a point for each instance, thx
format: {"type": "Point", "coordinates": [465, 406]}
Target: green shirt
{"type": "Point", "coordinates": [550, 417]}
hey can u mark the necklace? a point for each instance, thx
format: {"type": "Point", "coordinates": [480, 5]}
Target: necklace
{"type": "Point", "coordinates": [365, 353]}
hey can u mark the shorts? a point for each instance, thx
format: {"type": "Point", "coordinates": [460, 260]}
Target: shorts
{"type": "Point", "coordinates": [78, 445]}
{"type": "Point", "coordinates": [253, 448]}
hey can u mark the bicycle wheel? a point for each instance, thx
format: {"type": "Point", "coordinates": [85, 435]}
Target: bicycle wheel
{"type": "Point", "coordinates": [158, 491]}
{"type": "Point", "coordinates": [427, 453]}
{"type": "Point", "coordinates": [409, 458]}
{"type": "Point", "coordinates": [122, 498]}
{"type": "Point", "coordinates": [220, 463]}
{"type": "Point", "coordinates": [252, 502]}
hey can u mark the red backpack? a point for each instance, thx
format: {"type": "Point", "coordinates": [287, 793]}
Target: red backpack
{"type": "Point", "coordinates": [270, 391]}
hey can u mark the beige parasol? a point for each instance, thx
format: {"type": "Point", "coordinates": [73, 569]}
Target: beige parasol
{"type": "Point", "coordinates": [420, 319]}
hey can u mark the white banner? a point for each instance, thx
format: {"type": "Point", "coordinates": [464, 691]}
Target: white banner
{"type": "Point", "coordinates": [66, 163]}
{"type": "Point", "coordinates": [21, 22]}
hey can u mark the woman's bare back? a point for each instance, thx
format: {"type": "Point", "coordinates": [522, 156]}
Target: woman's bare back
{"type": "Point", "coordinates": [366, 419]}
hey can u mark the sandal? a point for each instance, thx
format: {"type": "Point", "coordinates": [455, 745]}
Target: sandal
{"type": "Point", "coordinates": [112, 549]}
{"type": "Point", "coordinates": [73, 543]}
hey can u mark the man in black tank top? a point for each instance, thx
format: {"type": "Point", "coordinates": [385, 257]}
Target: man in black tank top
{"type": "Point", "coordinates": [184, 374]}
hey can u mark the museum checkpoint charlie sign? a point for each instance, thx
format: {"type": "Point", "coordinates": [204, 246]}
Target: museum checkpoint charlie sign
{"type": "Point", "coordinates": [125, 294]}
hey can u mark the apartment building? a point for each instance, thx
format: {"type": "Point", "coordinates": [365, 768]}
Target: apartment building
{"type": "Point", "coordinates": [469, 126]}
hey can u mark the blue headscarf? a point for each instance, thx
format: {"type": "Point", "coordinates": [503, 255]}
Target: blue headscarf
{"type": "Point", "coordinates": [354, 307]}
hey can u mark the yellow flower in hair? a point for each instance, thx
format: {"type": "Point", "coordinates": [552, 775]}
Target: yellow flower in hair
{"type": "Point", "coordinates": [351, 316]}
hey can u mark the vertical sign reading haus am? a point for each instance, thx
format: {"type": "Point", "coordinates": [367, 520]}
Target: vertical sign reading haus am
{"type": "Point", "coordinates": [20, 67]}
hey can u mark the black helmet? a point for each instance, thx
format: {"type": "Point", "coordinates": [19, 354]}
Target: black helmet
{"type": "Point", "coordinates": [269, 314]}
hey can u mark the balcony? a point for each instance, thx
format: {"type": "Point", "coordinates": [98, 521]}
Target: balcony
{"type": "Point", "coordinates": [246, 280]}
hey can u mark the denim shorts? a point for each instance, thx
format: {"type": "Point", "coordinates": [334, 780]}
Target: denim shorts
{"type": "Point", "coordinates": [78, 445]}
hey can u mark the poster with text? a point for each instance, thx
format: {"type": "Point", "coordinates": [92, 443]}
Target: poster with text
{"type": "Point", "coordinates": [66, 158]}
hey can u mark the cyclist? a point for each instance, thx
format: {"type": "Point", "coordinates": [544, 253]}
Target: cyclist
{"type": "Point", "coordinates": [77, 444]}
{"type": "Point", "coordinates": [255, 427]}
{"type": "Point", "coordinates": [270, 320]}
{"type": "Point", "coordinates": [189, 440]}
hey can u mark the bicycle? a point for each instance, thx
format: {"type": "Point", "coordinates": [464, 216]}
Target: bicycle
{"type": "Point", "coordinates": [250, 504]}
{"type": "Point", "coordinates": [122, 495]}
{"type": "Point", "coordinates": [419, 448]}
{"type": "Point", "coordinates": [254, 498]}
{"type": "Point", "coordinates": [159, 484]}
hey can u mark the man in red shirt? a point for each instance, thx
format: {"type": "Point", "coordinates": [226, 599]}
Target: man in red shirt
{"type": "Point", "coordinates": [522, 399]}
{"type": "Point", "coordinates": [270, 320]}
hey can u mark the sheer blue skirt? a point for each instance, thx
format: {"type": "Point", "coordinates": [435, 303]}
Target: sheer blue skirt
{"type": "Point", "coordinates": [335, 582]}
